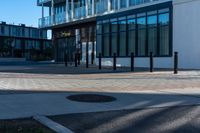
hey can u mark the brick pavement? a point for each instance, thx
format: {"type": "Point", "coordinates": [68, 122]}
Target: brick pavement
{"type": "Point", "coordinates": [44, 78]}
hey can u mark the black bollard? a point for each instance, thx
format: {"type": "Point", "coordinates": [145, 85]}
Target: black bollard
{"type": "Point", "coordinates": [87, 60]}
{"type": "Point", "coordinates": [65, 59]}
{"type": "Point", "coordinates": [92, 58]}
{"type": "Point", "coordinates": [79, 58]}
{"type": "Point", "coordinates": [100, 61]}
{"type": "Point", "coordinates": [114, 62]}
{"type": "Point", "coordinates": [76, 62]}
{"type": "Point", "coordinates": [151, 61]}
{"type": "Point", "coordinates": [132, 62]}
{"type": "Point", "coordinates": [175, 62]}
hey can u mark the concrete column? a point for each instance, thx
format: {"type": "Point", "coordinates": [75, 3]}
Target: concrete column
{"type": "Point", "coordinates": [67, 10]}
{"type": "Point", "coordinates": [93, 10]}
{"type": "Point", "coordinates": [72, 9]}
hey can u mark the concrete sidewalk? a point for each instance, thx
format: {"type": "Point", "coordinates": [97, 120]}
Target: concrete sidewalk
{"type": "Point", "coordinates": [28, 105]}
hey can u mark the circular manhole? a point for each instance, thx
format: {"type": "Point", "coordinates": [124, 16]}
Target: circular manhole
{"type": "Point", "coordinates": [93, 98]}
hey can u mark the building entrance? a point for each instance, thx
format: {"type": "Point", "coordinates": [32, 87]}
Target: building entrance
{"type": "Point", "coordinates": [66, 46]}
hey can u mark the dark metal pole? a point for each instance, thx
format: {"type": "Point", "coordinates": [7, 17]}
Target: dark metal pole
{"type": "Point", "coordinates": [87, 56]}
{"type": "Point", "coordinates": [92, 58]}
{"type": "Point", "coordinates": [114, 62]}
{"type": "Point", "coordinates": [79, 58]}
{"type": "Point", "coordinates": [99, 61]}
{"type": "Point", "coordinates": [151, 61]}
{"type": "Point", "coordinates": [65, 59]}
{"type": "Point", "coordinates": [132, 62]}
{"type": "Point", "coordinates": [175, 62]}
{"type": "Point", "coordinates": [76, 63]}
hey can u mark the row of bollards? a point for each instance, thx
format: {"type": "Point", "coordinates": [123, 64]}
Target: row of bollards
{"type": "Point", "coordinates": [132, 61]}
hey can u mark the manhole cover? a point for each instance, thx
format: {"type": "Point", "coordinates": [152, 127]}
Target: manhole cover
{"type": "Point", "coordinates": [93, 98]}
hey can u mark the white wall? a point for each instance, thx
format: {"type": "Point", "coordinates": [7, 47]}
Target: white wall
{"type": "Point", "coordinates": [186, 32]}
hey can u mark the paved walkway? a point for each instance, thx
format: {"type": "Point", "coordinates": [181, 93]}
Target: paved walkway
{"type": "Point", "coordinates": [23, 90]}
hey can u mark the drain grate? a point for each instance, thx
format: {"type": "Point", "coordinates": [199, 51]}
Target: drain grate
{"type": "Point", "coordinates": [92, 98]}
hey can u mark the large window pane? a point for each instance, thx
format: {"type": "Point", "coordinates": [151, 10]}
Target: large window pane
{"type": "Point", "coordinates": [122, 44]}
{"type": "Point", "coordinates": [99, 29]}
{"type": "Point", "coordinates": [152, 21]}
{"type": "Point", "coordinates": [141, 42]}
{"type": "Point", "coordinates": [106, 46]}
{"type": "Point", "coordinates": [131, 24]}
{"type": "Point", "coordinates": [164, 40]}
{"type": "Point", "coordinates": [122, 3]}
{"type": "Point", "coordinates": [99, 44]}
{"type": "Point", "coordinates": [164, 19]}
{"type": "Point", "coordinates": [106, 27]}
{"type": "Point", "coordinates": [114, 27]}
{"type": "Point", "coordinates": [131, 42]}
{"type": "Point", "coordinates": [122, 25]}
{"type": "Point", "coordinates": [152, 41]}
{"type": "Point", "coordinates": [114, 43]}
{"type": "Point", "coordinates": [141, 22]}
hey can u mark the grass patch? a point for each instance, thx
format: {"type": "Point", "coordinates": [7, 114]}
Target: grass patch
{"type": "Point", "coordinates": [23, 126]}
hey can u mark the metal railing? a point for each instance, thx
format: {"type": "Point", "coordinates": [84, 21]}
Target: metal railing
{"type": "Point", "coordinates": [81, 12]}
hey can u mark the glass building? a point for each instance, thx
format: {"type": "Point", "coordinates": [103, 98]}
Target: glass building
{"type": "Point", "coordinates": [20, 41]}
{"type": "Point", "coordinates": [121, 27]}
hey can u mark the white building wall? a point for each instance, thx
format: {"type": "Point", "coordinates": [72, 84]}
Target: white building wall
{"type": "Point", "coordinates": [187, 32]}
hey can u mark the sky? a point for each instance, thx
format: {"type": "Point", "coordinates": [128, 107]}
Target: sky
{"type": "Point", "coordinates": [20, 11]}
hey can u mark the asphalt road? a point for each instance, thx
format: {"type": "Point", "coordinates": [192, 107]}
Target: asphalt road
{"type": "Point", "coordinates": [184, 119]}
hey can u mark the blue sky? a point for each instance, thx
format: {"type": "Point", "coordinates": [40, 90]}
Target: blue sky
{"type": "Point", "coordinates": [20, 11]}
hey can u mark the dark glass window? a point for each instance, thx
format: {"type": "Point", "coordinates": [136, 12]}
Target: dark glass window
{"type": "Point", "coordinates": [106, 45]}
{"type": "Point", "coordinates": [131, 24]}
{"type": "Point", "coordinates": [152, 34]}
{"type": "Point", "coordinates": [122, 38]}
{"type": "Point", "coordinates": [140, 34]}
{"type": "Point", "coordinates": [141, 22]}
{"type": "Point", "coordinates": [131, 41]}
{"type": "Point", "coordinates": [2, 29]}
{"type": "Point", "coordinates": [114, 36]}
{"type": "Point", "coordinates": [164, 34]}
{"type": "Point", "coordinates": [99, 46]}
{"type": "Point", "coordinates": [123, 3]}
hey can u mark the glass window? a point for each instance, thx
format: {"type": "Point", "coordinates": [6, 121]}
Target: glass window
{"type": "Point", "coordinates": [152, 40]}
{"type": "Point", "coordinates": [132, 2]}
{"type": "Point", "coordinates": [164, 40]}
{"type": "Point", "coordinates": [114, 43]}
{"type": "Point", "coordinates": [122, 25]}
{"type": "Point", "coordinates": [106, 46]}
{"type": "Point", "coordinates": [99, 46]}
{"type": "Point", "coordinates": [164, 34]}
{"type": "Point", "coordinates": [122, 44]}
{"type": "Point", "coordinates": [141, 42]}
{"type": "Point", "coordinates": [131, 42]}
{"type": "Point", "coordinates": [152, 34]}
{"type": "Point", "coordinates": [122, 3]}
{"type": "Point", "coordinates": [106, 27]}
{"type": "Point", "coordinates": [99, 29]}
{"type": "Point", "coordinates": [114, 27]}
{"type": "Point", "coordinates": [164, 19]}
{"type": "Point", "coordinates": [141, 22]}
{"type": "Point", "coordinates": [152, 21]}
{"type": "Point", "coordinates": [131, 24]}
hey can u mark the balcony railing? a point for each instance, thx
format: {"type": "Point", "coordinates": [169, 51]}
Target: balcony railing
{"type": "Point", "coordinates": [43, 1]}
{"type": "Point", "coordinates": [81, 12]}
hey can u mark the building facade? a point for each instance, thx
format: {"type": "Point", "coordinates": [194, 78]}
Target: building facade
{"type": "Point", "coordinates": [122, 27]}
{"type": "Point", "coordinates": [21, 41]}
